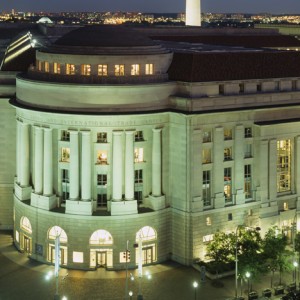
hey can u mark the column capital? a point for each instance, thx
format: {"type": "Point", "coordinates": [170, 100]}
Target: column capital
{"type": "Point", "coordinates": [157, 129]}
{"type": "Point", "coordinates": [73, 132]}
{"type": "Point", "coordinates": [47, 129]}
{"type": "Point", "coordinates": [117, 132]}
{"type": "Point", "coordinates": [85, 132]}
{"type": "Point", "coordinates": [129, 132]}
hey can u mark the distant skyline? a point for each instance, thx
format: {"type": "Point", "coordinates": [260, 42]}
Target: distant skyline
{"type": "Point", "coordinates": [214, 6]}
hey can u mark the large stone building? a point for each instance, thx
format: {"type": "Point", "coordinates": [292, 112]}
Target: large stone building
{"type": "Point", "coordinates": [118, 138]}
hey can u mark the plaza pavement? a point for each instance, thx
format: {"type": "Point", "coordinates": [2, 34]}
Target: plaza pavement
{"type": "Point", "coordinates": [24, 279]}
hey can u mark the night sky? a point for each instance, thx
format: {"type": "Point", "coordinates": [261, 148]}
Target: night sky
{"type": "Point", "coordinates": [247, 6]}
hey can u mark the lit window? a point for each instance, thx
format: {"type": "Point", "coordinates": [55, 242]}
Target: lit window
{"type": "Point", "coordinates": [101, 137]}
{"type": "Point", "coordinates": [77, 257]}
{"type": "Point", "coordinates": [57, 231]}
{"type": "Point", "coordinates": [228, 153]}
{"type": "Point", "coordinates": [149, 69]}
{"type": "Point", "coordinates": [138, 155]}
{"type": "Point", "coordinates": [86, 70]}
{"type": "Point", "coordinates": [138, 176]}
{"type": "Point", "coordinates": [247, 181]}
{"type": "Point", "coordinates": [208, 221]}
{"type": "Point", "coordinates": [56, 68]}
{"type": "Point", "coordinates": [39, 64]}
{"type": "Point", "coordinates": [138, 136]}
{"type": "Point", "coordinates": [206, 156]}
{"type": "Point", "coordinates": [70, 69]}
{"type": "Point", "coordinates": [285, 206]}
{"type": "Point", "coordinates": [135, 69]}
{"type": "Point", "coordinates": [248, 132]}
{"type": "Point", "coordinates": [47, 66]}
{"type": "Point", "coordinates": [65, 154]}
{"type": "Point", "coordinates": [227, 185]}
{"type": "Point", "coordinates": [206, 137]}
{"type": "Point", "coordinates": [147, 233]}
{"type": "Point", "coordinates": [102, 179]}
{"type": "Point", "coordinates": [119, 70]}
{"type": "Point", "coordinates": [101, 237]}
{"type": "Point", "coordinates": [102, 70]}
{"type": "Point", "coordinates": [206, 191]}
{"type": "Point", "coordinates": [208, 238]}
{"type": "Point", "coordinates": [283, 166]}
{"type": "Point", "coordinates": [26, 225]}
{"type": "Point", "coordinates": [227, 134]}
{"type": "Point", "coordinates": [65, 135]}
{"type": "Point", "coordinates": [247, 150]}
{"type": "Point", "coordinates": [17, 236]}
{"type": "Point", "coordinates": [102, 157]}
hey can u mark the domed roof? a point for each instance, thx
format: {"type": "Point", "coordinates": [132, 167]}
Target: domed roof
{"type": "Point", "coordinates": [45, 20]}
{"type": "Point", "coordinates": [104, 36]}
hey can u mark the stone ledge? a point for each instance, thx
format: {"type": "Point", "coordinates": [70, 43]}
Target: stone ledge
{"type": "Point", "coordinates": [43, 202]}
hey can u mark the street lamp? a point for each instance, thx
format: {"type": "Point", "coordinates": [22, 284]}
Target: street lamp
{"type": "Point", "coordinates": [295, 264]}
{"type": "Point", "coordinates": [130, 295]}
{"type": "Point", "coordinates": [248, 277]}
{"type": "Point", "coordinates": [195, 285]}
{"type": "Point", "coordinates": [236, 254]}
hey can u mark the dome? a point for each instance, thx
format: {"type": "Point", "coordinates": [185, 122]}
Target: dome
{"type": "Point", "coordinates": [104, 36]}
{"type": "Point", "coordinates": [45, 20]}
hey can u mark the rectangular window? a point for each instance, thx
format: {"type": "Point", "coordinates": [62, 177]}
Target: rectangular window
{"type": "Point", "coordinates": [227, 185]}
{"type": "Point", "coordinates": [101, 137]}
{"type": "Point", "coordinates": [119, 70]}
{"type": "Point", "coordinates": [247, 150]}
{"type": "Point", "coordinates": [138, 176]}
{"type": "Point", "coordinates": [247, 182]}
{"type": "Point", "coordinates": [86, 70]}
{"type": "Point", "coordinates": [70, 69]}
{"type": "Point", "coordinates": [102, 179]}
{"type": "Point", "coordinates": [241, 88]}
{"type": "Point", "coordinates": [65, 154]}
{"type": "Point", "coordinates": [102, 70]}
{"type": "Point", "coordinates": [208, 221]}
{"type": "Point", "coordinates": [138, 136]}
{"type": "Point", "coordinates": [65, 135]}
{"type": "Point", "coordinates": [47, 67]}
{"type": "Point", "coordinates": [138, 155]}
{"type": "Point", "coordinates": [65, 175]}
{"type": "Point", "coordinates": [135, 69]}
{"type": "Point", "coordinates": [229, 217]}
{"type": "Point", "coordinates": [206, 156]}
{"type": "Point", "coordinates": [206, 136]}
{"type": "Point", "coordinates": [39, 64]}
{"type": "Point", "coordinates": [283, 166]}
{"type": "Point", "coordinates": [248, 132]}
{"type": "Point", "coordinates": [149, 69]}
{"type": "Point", "coordinates": [227, 134]}
{"type": "Point", "coordinates": [77, 257]}
{"type": "Point", "coordinates": [65, 185]}
{"type": "Point", "coordinates": [206, 194]}
{"type": "Point", "coordinates": [221, 89]}
{"type": "Point", "coordinates": [102, 157]}
{"type": "Point", "coordinates": [228, 153]}
{"type": "Point", "coordinates": [56, 68]}
{"type": "Point", "coordinates": [102, 199]}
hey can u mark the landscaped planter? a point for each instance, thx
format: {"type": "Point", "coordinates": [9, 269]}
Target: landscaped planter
{"type": "Point", "coordinates": [214, 276]}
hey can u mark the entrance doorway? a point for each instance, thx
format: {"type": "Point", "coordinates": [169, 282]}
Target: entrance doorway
{"type": "Point", "coordinates": [148, 255]}
{"type": "Point", "coordinates": [101, 259]}
{"type": "Point", "coordinates": [26, 243]}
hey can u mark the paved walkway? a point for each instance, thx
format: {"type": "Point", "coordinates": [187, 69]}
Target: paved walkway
{"type": "Point", "coordinates": [24, 279]}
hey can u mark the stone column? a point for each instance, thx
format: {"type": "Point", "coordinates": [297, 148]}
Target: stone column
{"type": "Point", "coordinates": [117, 176]}
{"type": "Point", "coordinates": [24, 155]}
{"type": "Point", "coordinates": [156, 163]}
{"type": "Point", "coordinates": [297, 165]}
{"type": "Point", "coordinates": [263, 170]}
{"type": "Point", "coordinates": [48, 162]}
{"type": "Point", "coordinates": [74, 165]}
{"type": "Point", "coordinates": [129, 166]}
{"type": "Point", "coordinates": [86, 169]}
{"type": "Point", "coordinates": [273, 170]}
{"type": "Point", "coordinates": [192, 13]}
{"type": "Point", "coordinates": [18, 151]}
{"type": "Point", "coordinates": [38, 160]}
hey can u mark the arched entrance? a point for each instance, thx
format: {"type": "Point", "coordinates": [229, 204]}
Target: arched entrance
{"type": "Point", "coordinates": [54, 232]}
{"type": "Point", "coordinates": [148, 237]}
{"type": "Point", "coordinates": [25, 235]}
{"type": "Point", "coordinates": [101, 252]}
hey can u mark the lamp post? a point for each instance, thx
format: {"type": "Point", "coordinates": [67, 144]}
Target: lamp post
{"type": "Point", "coordinates": [195, 285]}
{"type": "Point", "coordinates": [130, 295]}
{"type": "Point", "coordinates": [248, 277]}
{"type": "Point", "coordinates": [236, 255]}
{"type": "Point", "coordinates": [295, 264]}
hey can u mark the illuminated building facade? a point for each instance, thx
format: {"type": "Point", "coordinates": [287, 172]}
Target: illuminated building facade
{"type": "Point", "coordinates": [120, 139]}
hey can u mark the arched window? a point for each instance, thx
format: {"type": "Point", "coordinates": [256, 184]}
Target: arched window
{"type": "Point", "coordinates": [57, 231]}
{"type": "Point", "coordinates": [147, 233]}
{"type": "Point", "coordinates": [25, 225]}
{"type": "Point", "coordinates": [101, 237]}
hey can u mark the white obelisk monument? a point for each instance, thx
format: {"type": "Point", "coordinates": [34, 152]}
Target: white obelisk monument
{"type": "Point", "coordinates": [193, 13]}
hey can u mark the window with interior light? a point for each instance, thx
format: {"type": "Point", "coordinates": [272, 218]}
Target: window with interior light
{"type": "Point", "coordinates": [102, 70]}
{"type": "Point", "coordinates": [102, 157]}
{"type": "Point", "coordinates": [56, 68]}
{"type": "Point", "coordinates": [47, 68]}
{"type": "Point", "coordinates": [149, 69]}
{"type": "Point", "coordinates": [70, 69]}
{"type": "Point", "coordinates": [247, 181]}
{"type": "Point", "coordinates": [228, 153]}
{"type": "Point", "coordinates": [227, 134]}
{"type": "Point", "coordinates": [65, 154]}
{"type": "Point", "coordinates": [206, 190]}
{"type": "Point", "coordinates": [283, 165]}
{"type": "Point", "coordinates": [206, 155]}
{"type": "Point", "coordinates": [119, 70]}
{"type": "Point", "coordinates": [227, 185]}
{"type": "Point", "coordinates": [138, 155]}
{"type": "Point", "coordinates": [206, 136]}
{"type": "Point", "coordinates": [39, 65]}
{"type": "Point", "coordinates": [86, 70]}
{"type": "Point", "coordinates": [135, 69]}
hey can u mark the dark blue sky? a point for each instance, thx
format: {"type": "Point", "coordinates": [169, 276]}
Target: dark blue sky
{"type": "Point", "coordinates": [250, 6]}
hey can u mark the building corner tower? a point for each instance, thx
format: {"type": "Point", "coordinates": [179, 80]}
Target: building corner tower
{"type": "Point", "coordinates": [193, 13]}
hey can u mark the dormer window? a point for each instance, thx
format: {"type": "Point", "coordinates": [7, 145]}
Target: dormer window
{"type": "Point", "coordinates": [135, 69]}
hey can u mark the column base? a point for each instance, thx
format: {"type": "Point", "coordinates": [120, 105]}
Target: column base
{"type": "Point", "coordinates": [78, 207]}
{"type": "Point", "coordinates": [155, 202]}
{"type": "Point", "coordinates": [22, 193]}
{"type": "Point", "coordinates": [43, 202]}
{"type": "Point", "coordinates": [118, 208]}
